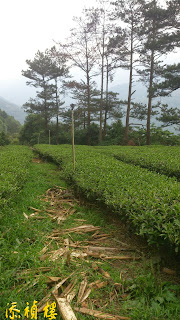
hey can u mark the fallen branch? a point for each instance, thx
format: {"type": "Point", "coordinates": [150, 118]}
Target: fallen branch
{"type": "Point", "coordinates": [100, 314]}
{"type": "Point", "coordinates": [34, 209]}
{"type": "Point", "coordinates": [82, 288]}
{"type": "Point", "coordinates": [83, 228]}
{"type": "Point", "coordinates": [64, 308]}
{"type": "Point", "coordinates": [121, 258]}
{"type": "Point", "coordinates": [57, 286]}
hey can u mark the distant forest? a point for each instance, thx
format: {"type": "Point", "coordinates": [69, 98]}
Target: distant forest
{"type": "Point", "coordinates": [8, 127]}
{"type": "Point", "coordinates": [137, 36]}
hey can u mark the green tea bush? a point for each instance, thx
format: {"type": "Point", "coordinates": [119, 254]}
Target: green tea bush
{"type": "Point", "coordinates": [14, 162]}
{"type": "Point", "coordinates": [149, 200]}
{"type": "Point", "coordinates": [162, 159]}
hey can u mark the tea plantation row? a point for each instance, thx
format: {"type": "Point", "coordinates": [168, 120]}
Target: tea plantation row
{"type": "Point", "coordinates": [14, 162]}
{"type": "Point", "coordinates": [149, 200]}
{"type": "Point", "coordinates": [162, 159]}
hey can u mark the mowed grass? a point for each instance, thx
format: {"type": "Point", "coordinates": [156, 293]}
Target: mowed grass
{"type": "Point", "coordinates": [147, 297]}
{"type": "Point", "coordinates": [22, 239]}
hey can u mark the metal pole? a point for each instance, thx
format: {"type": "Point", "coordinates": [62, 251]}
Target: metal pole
{"type": "Point", "coordinates": [73, 148]}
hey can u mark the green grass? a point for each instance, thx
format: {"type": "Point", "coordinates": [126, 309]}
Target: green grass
{"type": "Point", "coordinates": [24, 236]}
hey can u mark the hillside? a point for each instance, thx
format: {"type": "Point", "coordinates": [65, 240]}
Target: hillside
{"type": "Point", "coordinates": [8, 124]}
{"type": "Point", "coordinates": [12, 110]}
{"type": "Point", "coordinates": [140, 94]}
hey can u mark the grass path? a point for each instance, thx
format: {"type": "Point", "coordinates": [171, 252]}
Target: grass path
{"type": "Point", "coordinates": [30, 240]}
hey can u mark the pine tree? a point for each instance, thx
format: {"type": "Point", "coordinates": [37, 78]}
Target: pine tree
{"type": "Point", "coordinates": [80, 94]}
{"type": "Point", "coordinates": [59, 73]}
{"type": "Point", "coordinates": [46, 68]}
{"type": "Point", "coordinates": [38, 74]}
{"type": "Point", "coordinates": [103, 30]}
{"type": "Point", "coordinates": [80, 50]}
{"type": "Point", "coordinates": [169, 116]}
{"type": "Point", "coordinates": [127, 41]}
{"type": "Point", "coordinates": [156, 36]}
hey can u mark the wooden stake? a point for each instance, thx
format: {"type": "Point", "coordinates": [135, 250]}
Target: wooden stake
{"type": "Point", "coordinates": [73, 148]}
{"type": "Point", "coordinates": [49, 137]}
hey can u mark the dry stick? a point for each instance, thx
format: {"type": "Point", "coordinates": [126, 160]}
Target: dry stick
{"type": "Point", "coordinates": [83, 228]}
{"type": "Point", "coordinates": [34, 209]}
{"type": "Point", "coordinates": [53, 279]}
{"type": "Point", "coordinates": [82, 288]}
{"type": "Point", "coordinates": [86, 295]}
{"type": "Point", "coordinates": [38, 217]}
{"type": "Point", "coordinates": [58, 187]}
{"type": "Point", "coordinates": [92, 248]}
{"type": "Point", "coordinates": [25, 215]}
{"type": "Point", "coordinates": [96, 240]}
{"type": "Point", "coordinates": [68, 289]}
{"type": "Point", "coordinates": [58, 253]}
{"type": "Point", "coordinates": [70, 296]}
{"type": "Point", "coordinates": [57, 286]}
{"type": "Point", "coordinates": [95, 234]}
{"type": "Point", "coordinates": [64, 308]}
{"type": "Point", "coordinates": [103, 235]}
{"type": "Point", "coordinates": [122, 258]}
{"type": "Point", "coordinates": [100, 314]}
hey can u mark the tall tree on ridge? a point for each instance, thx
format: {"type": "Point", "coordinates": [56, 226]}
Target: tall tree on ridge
{"type": "Point", "coordinates": [38, 74]}
{"type": "Point", "coordinates": [59, 72]}
{"type": "Point", "coordinates": [156, 37]}
{"type": "Point", "coordinates": [129, 13]}
{"type": "Point", "coordinates": [80, 50]}
{"type": "Point", "coordinates": [100, 16]}
{"type": "Point", "coordinates": [103, 31]}
{"type": "Point", "coordinates": [41, 72]}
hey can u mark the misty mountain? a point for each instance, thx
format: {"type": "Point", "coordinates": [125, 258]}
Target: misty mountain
{"type": "Point", "coordinates": [16, 90]}
{"type": "Point", "coordinates": [140, 94]}
{"type": "Point", "coordinates": [12, 110]}
{"type": "Point", "coordinates": [8, 124]}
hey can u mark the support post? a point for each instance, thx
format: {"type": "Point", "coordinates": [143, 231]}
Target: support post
{"type": "Point", "coordinates": [72, 133]}
{"type": "Point", "coordinates": [49, 137]}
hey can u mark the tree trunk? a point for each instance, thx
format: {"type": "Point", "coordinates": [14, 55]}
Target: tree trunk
{"type": "Point", "coordinates": [125, 140]}
{"type": "Point", "coordinates": [148, 137]}
{"type": "Point", "coordinates": [84, 119]}
{"type": "Point", "coordinates": [45, 110]}
{"type": "Point", "coordinates": [150, 95]}
{"type": "Point", "coordinates": [88, 87]}
{"type": "Point", "coordinates": [102, 87]}
{"type": "Point", "coordinates": [57, 114]}
{"type": "Point", "coordinates": [106, 107]}
{"type": "Point", "coordinates": [88, 101]}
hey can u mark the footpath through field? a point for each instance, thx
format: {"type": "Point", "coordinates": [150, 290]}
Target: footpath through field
{"type": "Point", "coordinates": [86, 263]}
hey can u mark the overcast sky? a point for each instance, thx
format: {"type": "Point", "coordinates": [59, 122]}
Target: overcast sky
{"type": "Point", "coordinates": [30, 25]}
{"type": "Point", "coordinates": [27, 26]}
